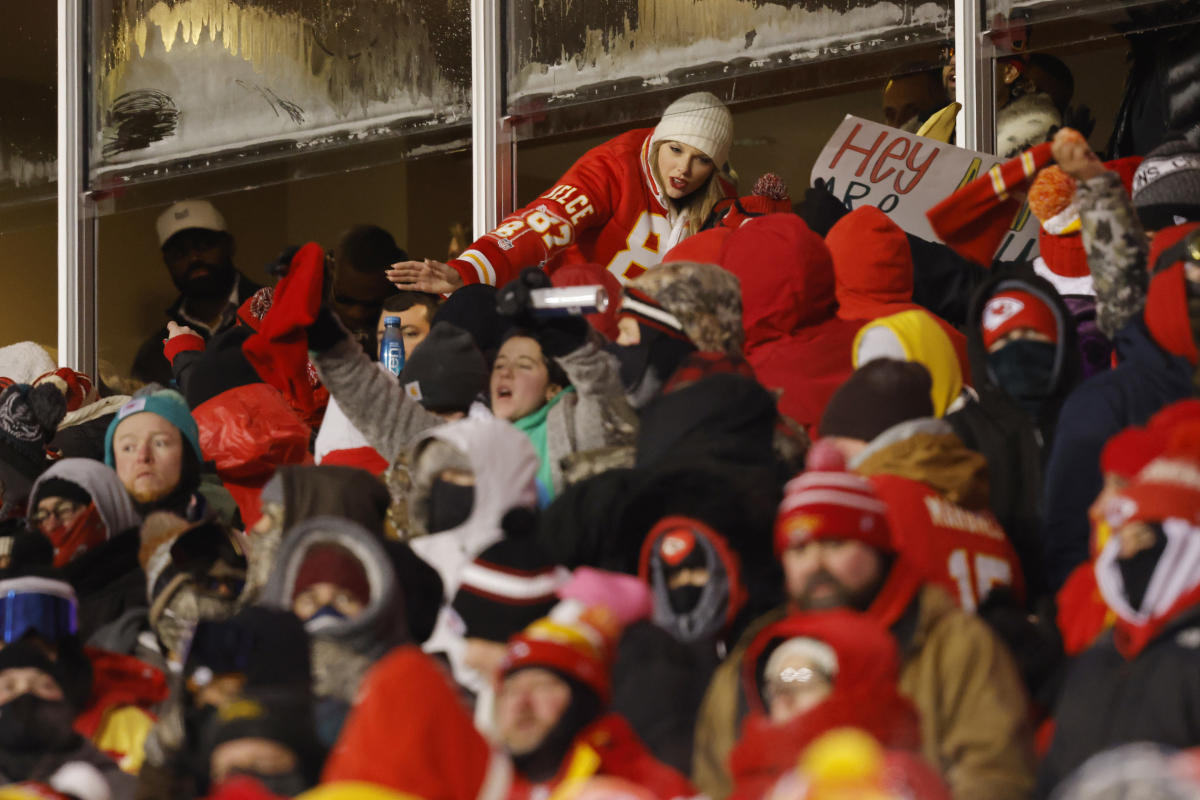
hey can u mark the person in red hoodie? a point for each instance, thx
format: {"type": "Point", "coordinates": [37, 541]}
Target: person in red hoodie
{"type": "Point", "coordinates": [794, 339]}
{"type": "Point", "coordinates": [1141, 682]}
{"type": "Point", "coordinates": [873, 265]}
{"type": "Point", "coordinates": [552, 709]}
{"type": "Point", "coordinates": [809, 674]}
{"type": "Point", "coordinates": [622, 205]}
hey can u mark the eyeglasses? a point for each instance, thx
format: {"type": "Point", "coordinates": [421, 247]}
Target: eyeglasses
{"type": "Point", "coordinates": [63, 512]}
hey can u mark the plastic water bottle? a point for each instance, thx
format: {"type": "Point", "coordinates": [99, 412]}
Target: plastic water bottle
{"type": "Point", "coordinates": [391, 350]}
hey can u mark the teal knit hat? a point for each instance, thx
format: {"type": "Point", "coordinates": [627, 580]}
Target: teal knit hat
{"type": "Point", "coordinates": [168, 404]}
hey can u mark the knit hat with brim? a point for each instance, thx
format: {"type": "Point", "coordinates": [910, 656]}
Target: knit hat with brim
{"type": "Point", "coordinates": [819, 506]}
{"type": "Point", "coordinates": [699, 120]}
{"type": "Point", "coordinates": [575, 640]}
{"type": "Point", "coordinates": [703, 299]}
{"type": "Point", "coordinates": [447, 372]}
{"type": "Point", "coordinates": [166, 403]}
{"type": "Point", "coordinates": [1166, 187]}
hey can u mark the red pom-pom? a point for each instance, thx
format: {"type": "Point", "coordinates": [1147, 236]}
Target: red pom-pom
{"type": "Point", "coordinates": [771, 186]}
{"type": "Point", "coordinates": [260, 304]}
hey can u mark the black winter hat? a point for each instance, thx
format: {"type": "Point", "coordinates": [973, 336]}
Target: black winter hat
{"type": "Point", "coordinates": [509, 585]}
{"type": "Point", "coordinates": [23, 551]}
{"type": "Point", "coordinates": [877, 396]}
{"type": "Point", "coordinates": [473, 309]}
{"type": "Point", "coordinates": [447, 371]}
{"type": "Point", "coordinates": [29, 417]}
{"type": "Point", "coordinates": [268, 646]}
{"type": "Point", "coordinates": [279, 717]}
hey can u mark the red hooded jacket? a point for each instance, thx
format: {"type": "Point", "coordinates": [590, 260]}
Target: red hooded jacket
{"type": "Point", "coordinates": [864, 696]}
{"type": "Point", "coordinates": [794, 340]}
{"type": "Point", "coordinates": [409, 731]}
{"type": "Point", "coordinates": [873, 264]}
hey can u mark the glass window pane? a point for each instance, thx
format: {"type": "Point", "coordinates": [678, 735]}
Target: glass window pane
{"type": "Point", "coordinates": [28, 229]}
{"type": "Point", "coordinates": [417, 200]}
{"type": "Point", "coordinates": [1114, 71]}
{"type": "Point", "coordinates": [177, 85]}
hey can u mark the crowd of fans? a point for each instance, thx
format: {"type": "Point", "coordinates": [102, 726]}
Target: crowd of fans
{"type": "Point", "coordinates": [812, 509]}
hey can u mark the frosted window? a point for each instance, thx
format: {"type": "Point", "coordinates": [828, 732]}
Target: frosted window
{"type": "Point", "coordinates": [184, 80]}
{"type": "Point", "coordinates": [564, 52]}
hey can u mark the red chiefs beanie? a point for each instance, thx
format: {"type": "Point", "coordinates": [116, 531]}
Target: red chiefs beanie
{"type": "Point", "coordinates": [575, 640]}
{"type": "Point", "coordinates": [1008, 311]}
{"type": "Point", "coordinates": [1166, 312]}
{"type": "Point", "coordinates": [1130, 450]}
{"type": "Point", "coordinates": [1166, 488]}
{"type": "Point", "coordinates": [974, 220]}
{"type": "Point", "coordinates": [819, 506]}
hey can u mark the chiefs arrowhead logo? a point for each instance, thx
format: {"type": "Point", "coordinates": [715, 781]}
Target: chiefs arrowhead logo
{"type": "Point", "coordinates": [1000, 310]}
{"type": "Point", "coordinates": [676, 546]}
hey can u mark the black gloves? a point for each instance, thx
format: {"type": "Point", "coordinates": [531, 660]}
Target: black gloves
{"type": "Point", "coordinates": [325, 331]}
{"type": "Point", "coordinates": [821, 209]}
{"type": "Point", "coordinates": [559, 334]}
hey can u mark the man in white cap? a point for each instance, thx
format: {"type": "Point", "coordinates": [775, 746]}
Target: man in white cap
{"type": "Point", "coordinates": [198, 252]}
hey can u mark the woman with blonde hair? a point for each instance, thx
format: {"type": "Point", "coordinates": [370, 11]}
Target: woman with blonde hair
{"type": "Point", "coordinates": [622, 205]}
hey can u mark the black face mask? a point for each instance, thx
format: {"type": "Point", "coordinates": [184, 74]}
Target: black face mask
{"type": "Point", "coordinates": [1138, 569]}
{"type": "Point", "coordinates": [646, 366]}
{"type": "Point", "coordinates": [449, 505]}
{"type": "Point", "coordinates": [30, 724]}
{"type": "Point", "coordinates": [283, 784]}
{"type": "Point", "coordinates": [1025, 370]}
{"type": "Point", "coordinates": [684, 599]}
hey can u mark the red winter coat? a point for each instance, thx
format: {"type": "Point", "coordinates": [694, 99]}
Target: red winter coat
{"type": "Point", "coordinates": [409, 731]}
{"type": "Point", "coordinates": [248, 432]}
{"type": "Point", "coordinates": [118, 681]}
{"type": "Point", "coordinates": [794, 340]}
{"type": "Point", "coordinates": [621, 756]}
{"type": "Point", "coordinates": [966, 552]}
{"type": "Point", "coordinates": [864, 696]}
{"type": "Point", "coordinates": [873, 264]}
{"type": "Point", "coordinates": [607, 209]}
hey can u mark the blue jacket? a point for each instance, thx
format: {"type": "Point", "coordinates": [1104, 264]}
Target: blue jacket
{"type": "Point", "coordinates": [1146, 379]}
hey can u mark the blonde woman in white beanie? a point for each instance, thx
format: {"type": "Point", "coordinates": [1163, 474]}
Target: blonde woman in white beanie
{"type": "Point", "coordinates": [622, 205]}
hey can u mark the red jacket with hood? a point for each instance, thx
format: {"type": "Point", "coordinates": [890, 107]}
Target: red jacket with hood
{"type": "Point", "coordinates": [607, 209]}
{"type": "Point", "coordinates": [864, 696]}
{"type": "Point", "coordinates": [794, 339]}
{"type": "Point", "coordinates": [873, 264]}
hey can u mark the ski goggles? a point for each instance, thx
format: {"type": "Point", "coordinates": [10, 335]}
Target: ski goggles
{"type": "Point", "coordinates": [36, 605]}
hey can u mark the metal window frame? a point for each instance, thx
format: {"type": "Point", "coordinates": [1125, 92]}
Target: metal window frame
{"type": "Point", "coordinates": [974, 70]}
{"type": "Point", "coordinates": [77, 309]}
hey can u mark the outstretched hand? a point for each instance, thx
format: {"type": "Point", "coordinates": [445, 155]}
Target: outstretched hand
{"type": "Point", "coordinates": [175, 329]}
{"type": "Point", "coordinates": [433, 277]}
{"type": "Point", "coordinates": [1074, 156]}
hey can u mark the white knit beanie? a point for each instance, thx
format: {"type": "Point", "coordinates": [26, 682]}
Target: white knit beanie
{"type": "Point", "coordinates": [699, 120]}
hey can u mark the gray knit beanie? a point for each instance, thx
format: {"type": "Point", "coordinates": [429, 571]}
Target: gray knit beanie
{"type": "Point", "coordinates": [1166, 186]}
